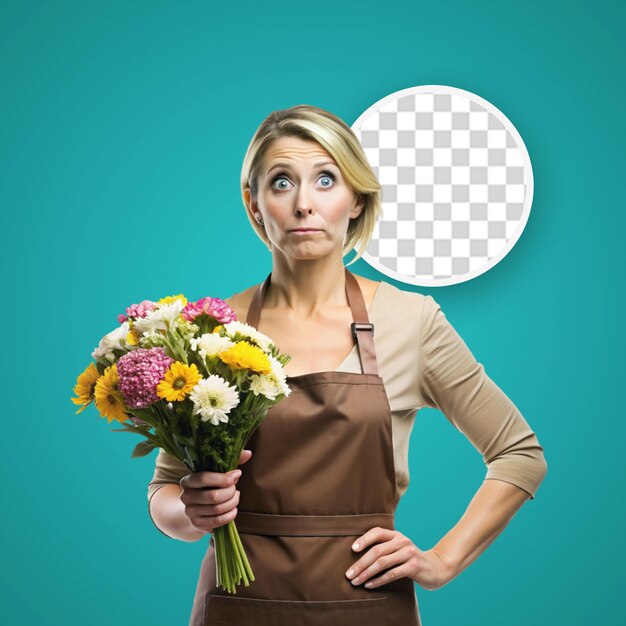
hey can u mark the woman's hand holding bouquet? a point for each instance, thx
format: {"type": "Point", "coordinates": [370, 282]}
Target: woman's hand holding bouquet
{"type": "Point", "coordinates": [211, 498]}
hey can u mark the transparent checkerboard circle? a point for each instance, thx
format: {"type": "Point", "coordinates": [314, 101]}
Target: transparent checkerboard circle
{"type": "Point", "coordinates": [457, 184]}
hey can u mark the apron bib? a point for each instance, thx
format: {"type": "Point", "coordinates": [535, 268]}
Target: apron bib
{"type": "Point", "coordinates": [322, 474]}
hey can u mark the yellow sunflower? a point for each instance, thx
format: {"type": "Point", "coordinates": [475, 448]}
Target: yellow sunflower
{"type": "Point", "coordinates": [178, 381]}
{"type": "Point", "coordinates": [108, 397]}
{"type": "Point", "coordinates": [85, 386]}
{"type": "Point", "coordinates": [243, 355]}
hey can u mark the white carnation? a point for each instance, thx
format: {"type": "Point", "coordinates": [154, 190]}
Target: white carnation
{"type": "Point", "coordinates": [272, 384]}
{"type": "Point", "coordinates": [115, 340]}
{"type": "Point", "coordinates": [159, 318]}
{"type": "Point", "coordinates": [210, 344]}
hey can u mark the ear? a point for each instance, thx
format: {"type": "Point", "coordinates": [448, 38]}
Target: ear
{"type": "Point", "coordinates": [358, 206]}
{"type": "Point", "coordinates": [251, 206]}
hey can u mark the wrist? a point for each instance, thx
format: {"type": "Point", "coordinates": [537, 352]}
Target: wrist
{"type": "Point", "coordinates": [444, 566]}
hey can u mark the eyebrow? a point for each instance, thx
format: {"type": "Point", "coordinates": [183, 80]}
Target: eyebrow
{"type": "Point", "coordinates": [318, 164]}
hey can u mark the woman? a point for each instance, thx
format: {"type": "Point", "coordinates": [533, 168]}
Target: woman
{"type": "Point", "coordinates": [325, 471]}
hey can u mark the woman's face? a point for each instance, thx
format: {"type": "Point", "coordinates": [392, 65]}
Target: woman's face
{"type": "Point", "coordinates": [301, 187]}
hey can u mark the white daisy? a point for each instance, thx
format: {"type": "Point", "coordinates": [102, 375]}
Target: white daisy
{"type": "Point", "coordinates": [210, 344]}
{"type": "Point", "coordinates": [159, 318]}
{"type": "Point", "coordinates": [241, 328]}
{"type": "Point", "coordinates": [115, 340]}
{"type": "Point", "coordinates": [213, 399]}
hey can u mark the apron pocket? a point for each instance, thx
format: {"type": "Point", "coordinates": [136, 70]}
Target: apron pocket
{"type": "Point", "coordinates": [229, 610]}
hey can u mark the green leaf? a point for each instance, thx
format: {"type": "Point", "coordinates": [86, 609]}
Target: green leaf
{"type": "Point", "coordinates": [143, 448]}
{"type": "Point", "coordinates": [147, 415]}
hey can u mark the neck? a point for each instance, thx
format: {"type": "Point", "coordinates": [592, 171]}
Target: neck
{"type": "Point", "coordinates": [304, 287]}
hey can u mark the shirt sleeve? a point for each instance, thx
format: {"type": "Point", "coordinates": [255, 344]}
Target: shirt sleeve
{"type": "Point", "coordinates": [168, 469]}
{"type": "Point", "coordinates": [453, 381]}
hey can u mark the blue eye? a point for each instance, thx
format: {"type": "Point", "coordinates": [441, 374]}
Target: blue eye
{"type": "Point", "coordinates": [329, 176]}
{"type": "Point", "coordinates": [277, 178]}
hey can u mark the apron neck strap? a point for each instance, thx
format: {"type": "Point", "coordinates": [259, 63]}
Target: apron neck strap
{"type": "Point", "coordinates": [362, 329]}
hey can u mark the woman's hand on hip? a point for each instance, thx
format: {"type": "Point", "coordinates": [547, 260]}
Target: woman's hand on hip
{"type": "Point", "coordinates": [396, 556]}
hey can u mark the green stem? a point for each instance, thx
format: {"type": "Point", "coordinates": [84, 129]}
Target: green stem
{"type": "Point", "coordinates": [163, 432]}
{"type": "Point", "coordinates": [174, 346]}
{"type": "Point", "coordinates": [239, 568]}
{"type": "Point", "coordinates": [246, 564]}
{"type": "Point", "coordinates": [219, 556]}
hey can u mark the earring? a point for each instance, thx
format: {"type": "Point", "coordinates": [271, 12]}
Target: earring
{"type": "Point", "coordinates": [260, 220]}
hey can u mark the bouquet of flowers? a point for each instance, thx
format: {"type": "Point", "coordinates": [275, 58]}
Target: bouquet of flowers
{"type": "Point", "coordinates": [193, 381]}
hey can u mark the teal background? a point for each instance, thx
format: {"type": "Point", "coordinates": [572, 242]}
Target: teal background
{"type": "Point", "coordinates": [122, 131]}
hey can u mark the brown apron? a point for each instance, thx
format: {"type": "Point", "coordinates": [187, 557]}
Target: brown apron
{"type": "Point", "coordinates": [321, 474]}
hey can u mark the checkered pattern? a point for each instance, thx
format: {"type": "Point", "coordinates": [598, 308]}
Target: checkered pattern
{"type": "Point", "coordinates": [457, 184]}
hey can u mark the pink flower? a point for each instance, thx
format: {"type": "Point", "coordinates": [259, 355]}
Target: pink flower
{"type": "Point", "coordinates": [139, 310]}
{"type": "Point", "coordinates": [215, 307]}
{"type": "Point", "coordinates": [140, 371]}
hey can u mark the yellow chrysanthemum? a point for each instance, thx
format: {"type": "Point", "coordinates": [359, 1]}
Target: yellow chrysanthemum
{"type": "Point", "coordinates": [170, 299]}
{"type": "Point", "coordinates": [108, 397]}
{"type": "Point", "coordinates": [85, 386]}
{"type": "Point", "coordinates": [178, 381]}
{"type": "Point", "coordinates": [243, 355]}
{"type": "Point", "coordinates": [218, 328]}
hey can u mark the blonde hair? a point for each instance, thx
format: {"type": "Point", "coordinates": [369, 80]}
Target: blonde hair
{"type": "Point", "coordinates": [338, 139]}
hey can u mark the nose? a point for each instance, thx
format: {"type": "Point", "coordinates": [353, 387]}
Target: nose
{"type": "Point", "coordinates": [303, 200]}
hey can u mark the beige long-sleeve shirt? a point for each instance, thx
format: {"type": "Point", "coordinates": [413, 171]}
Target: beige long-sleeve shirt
{"type": "Point", "coordinates": [425, 363]}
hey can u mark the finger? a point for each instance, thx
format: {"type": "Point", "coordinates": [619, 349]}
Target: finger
{"type": "Point", "coordinates": [382, 563]}
{"type": "Point", "coordinates": [203, 510]}
{"type": "Point", "coordinates": [245, 457]}
{"type": "Point", "coordinates": [207, 496]}
{"type": "Point", "coordinates": [210, 522]}
{"type": "Point", "coordinates": [393, 574]}
{"type": "Point", "coordinates": [372, 536]}
{"type": "Point", "coordinates": [206, 479]}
